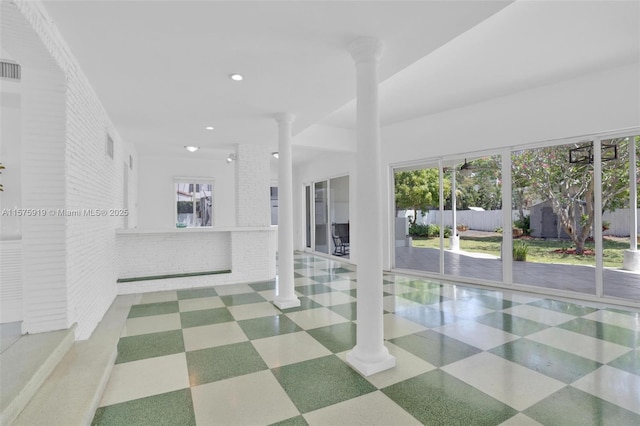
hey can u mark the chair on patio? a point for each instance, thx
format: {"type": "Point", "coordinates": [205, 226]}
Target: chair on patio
{"type": "Point", "coordinates": [340, 235]}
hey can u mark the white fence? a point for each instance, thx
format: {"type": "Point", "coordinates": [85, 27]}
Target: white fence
{"type": "Point", "coordinates": [490, 220]}
{"type": "Point", "coordinates": [620, 222]}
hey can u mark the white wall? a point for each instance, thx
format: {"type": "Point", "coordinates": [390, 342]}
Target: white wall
{"type": "Point", "coordinates": [156, 192]}
{"type": "Point", "coordinates": [11, 197]}
{"type": "Point", "coordinates": [597, 102]}
{"type": "Point", "coordinates": [93, 180]}
{"type": "Point", "coordinates": [252, 185]}
{"type": "Point", "coordinates": [11, 157]}
{"type": "Point", "coordinates": [244, 241]}
{"type": "Point", "coordinates": [72, 262]}
{"type": "Point", "coordinates": [327, 138]}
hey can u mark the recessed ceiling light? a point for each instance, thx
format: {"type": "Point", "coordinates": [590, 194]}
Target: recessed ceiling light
{"type": "Point", "coordinates": [236, 77]}
{"type": "Point", "coordinates": [192, 148]}
{"type": "Point", "coordinates": [209, 127]}
{"type": "Point", "coordinates": [275, 154]}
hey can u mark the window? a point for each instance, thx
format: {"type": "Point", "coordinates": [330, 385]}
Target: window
{"type": "Point", "coordinates": [193, 204]}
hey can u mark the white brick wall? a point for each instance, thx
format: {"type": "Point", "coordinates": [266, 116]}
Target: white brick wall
{"type": "Point", "coordinates": [254, 255]}
{"type": "Point", "coordinates": [10, 281]}
{"type": "Point", "coordinates": [250, 253]}
{"type": "Point", "coordinates": [42, 165]}
{"type": "Point", "coordinates": [44, 255]}
{"type": "Point", "coordinates": [71, 263]}
{"type": "Point", "coordinates": [94, 181]}
{"type": "Point", "coordinates": [163, 253]}
{"type": "Point", "coordinates": [66, 148]}
{"type": "Point", "coordinates": [253, 175]}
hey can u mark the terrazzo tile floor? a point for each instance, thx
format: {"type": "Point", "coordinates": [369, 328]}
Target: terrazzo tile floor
{"type": "Point", "coordinates": [226, 355]}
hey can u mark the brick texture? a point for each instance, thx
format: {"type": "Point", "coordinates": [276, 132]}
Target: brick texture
{"type": "Point", "coordinates": [253, 175]}
{"type": "Point", "coordinates": [251, 257]}
{"type": "Point", "coordinates": [70, 262]}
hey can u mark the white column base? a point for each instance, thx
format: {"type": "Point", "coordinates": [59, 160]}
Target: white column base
{"type": "Point", "coordinates": [286, 303]}
{"type": "Point", "coordinates": [369, 367]}
{"type": "Point", "coordinates": [454, 243]}
{"type": "Point", "coordinates": [631, 260]}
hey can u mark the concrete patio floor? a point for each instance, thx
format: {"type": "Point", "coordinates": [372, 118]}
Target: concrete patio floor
{"type": "Point", "coordinates": [579, 278]}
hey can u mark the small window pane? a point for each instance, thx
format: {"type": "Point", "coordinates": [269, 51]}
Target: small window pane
{"type": "Point", "coordinates": [193, 205]}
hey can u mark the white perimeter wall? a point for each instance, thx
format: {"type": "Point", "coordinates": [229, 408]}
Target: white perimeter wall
{"type": "Point", "coordinates": [156, 193]}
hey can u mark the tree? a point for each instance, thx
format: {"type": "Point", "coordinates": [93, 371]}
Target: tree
{"type": "Point", "coordinates": [481, 188]}
{"type": "Point", "coordinates": [547, 174]}
{"type": "Point", "coordinates": [418, 190]}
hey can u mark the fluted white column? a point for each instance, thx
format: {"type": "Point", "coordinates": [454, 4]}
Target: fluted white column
{"type": "Point", "coordinates": [285, 293]}
{"type": "Point", "coordinates": [369, 356]}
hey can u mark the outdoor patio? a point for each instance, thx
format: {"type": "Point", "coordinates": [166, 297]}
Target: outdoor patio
{"type": "Point", "coordinates": [578, 278]}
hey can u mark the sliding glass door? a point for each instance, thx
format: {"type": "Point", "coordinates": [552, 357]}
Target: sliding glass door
{"type": "Point", "coordinates": [553, 190]}
{"type": "Point", "coordinates": [327, 216]}
{"type": "Point", "coordinates": [620, 205]}
{"type": "Point", "coordinates": [473, 219]}
{"type": "Point", "coordinates": [417, 220]}
{"type": "Point", "coordinates": [307, 214]}
{"type": "Point", "coordinates": [321, 217]}
{"type": "Point", "coordinates": [571, 224]}
{"type": "Point", "coordinates": [339, 214]}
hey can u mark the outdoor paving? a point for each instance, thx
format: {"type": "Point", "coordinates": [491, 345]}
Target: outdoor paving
{"type": "Point", "coordinates": [578, 278]}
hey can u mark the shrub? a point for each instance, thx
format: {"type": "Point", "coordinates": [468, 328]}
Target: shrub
{"type": "Point", "coordinates": [433, 230]}
{"type": "Point", "coordinates": [524, 224]}
{"type": "Point", "coordinates": [418, 230]}
{"type": "Point", "coordinates": [520, 249]}
{"type": "Point", "coordinates": [428, 231]}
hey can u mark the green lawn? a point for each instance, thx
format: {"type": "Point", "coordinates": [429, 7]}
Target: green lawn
{"type": "Point", "coordinates": [539, 250]}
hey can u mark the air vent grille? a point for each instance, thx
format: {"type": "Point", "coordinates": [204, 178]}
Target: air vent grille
{"type": "Point", "coordinates": [9, 70]}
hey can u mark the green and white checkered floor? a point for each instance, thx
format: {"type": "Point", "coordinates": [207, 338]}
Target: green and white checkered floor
{"type": "Point", "coordinates": [225, 355]}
